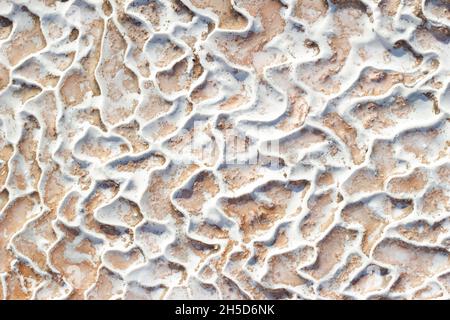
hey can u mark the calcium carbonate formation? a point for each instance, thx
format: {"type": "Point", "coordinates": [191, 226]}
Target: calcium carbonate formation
{"type": "Point", "coordinates": [225, 149]}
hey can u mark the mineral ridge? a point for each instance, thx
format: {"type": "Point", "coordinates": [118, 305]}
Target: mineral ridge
{"type": "Point", "coordinates": [225, 149]}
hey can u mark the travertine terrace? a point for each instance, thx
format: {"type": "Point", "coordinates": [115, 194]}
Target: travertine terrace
{"type": "Point", "coordinates": [225, 149]}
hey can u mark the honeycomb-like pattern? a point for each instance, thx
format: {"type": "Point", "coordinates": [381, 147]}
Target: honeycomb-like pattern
{"type": "Point", "coordinates": [225, 149]}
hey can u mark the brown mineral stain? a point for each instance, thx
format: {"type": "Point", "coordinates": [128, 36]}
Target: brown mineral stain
{"type": "Point", "coordinates": [256, 216]}
{"type": "Point", "coordinates": [119, 260]}
{"type": "Point", "coordinates": [310, 10]}
{"type": "Point", "coordinates": [372, 223]}
{"type": "Point", "coordinates": [230, 290]}
{"type": "Point", "coordinates": [108, 285]}
{"type": "Point", "coordinates": [27, 148]}
{"type": "Point", "coordinates": [389, 6]}
{"type": "Point", "coordinates": [81, 273]}
{"type": "Point", "coordinates": [320, 215]}
{"type": "Point", "coordinates": [175, 79]}
{"type": "Point", "coordinates": [416, 263]}
{"type": "Point", "coordinates": [144, 163]}
{"type": "Point", "coordinates": [4, 198]}
{"type": "Point", "coordinates": [412, 183]}
{"type": "Point", "coordinates": [282, 268]}
{"type": "Point", "coordinates": [192, 199]}
{"type": "Point", "coordinates": [430, 292]}
{"type": "Point", "coordinates": [243, 49]}
{"type": "Point", "coordinates": [422, 231]}
{"type": "Point", "coordinates": [331, 289]}
{"type": "Point", "coordinates": [156, 203]}
{"type": "Point", "coordinates": [325, 179]}
{"type": "Point", "coordinates": [373, 278]}
{"type": "Point", "coordinates": [34, 70]}
{"type": "Point", "coordinates": [347, 133]}
{"type": "Point", "coordinates": [4, 76]}
{"type": "Point", "coordinates": [6, 26]}
{"type": "Point", "coordinates": [26, 41]}
{"type": "Point", "coordinates": [380, 116]}
{"type": "Point", "coordinates": [110, 67]}
{"type": "Point", "coordinates": [229, 18]}
{"type": "Point", "coordinates": [330, 251]}
{"type": "Point", "coordinates": [131, 132]}
{"type": "Point", "coordinates": [68, 210]}
{"type": "Point", "coordinates": [13, 218]}
{"type": "Point", "coordinates": [107, 8]}
{"type": "Point", "coordinates": [25, 91]}
{"type": "Point", "coordinates": [369, 179]}
{"type": "Point", "coordinates": [21, 283]}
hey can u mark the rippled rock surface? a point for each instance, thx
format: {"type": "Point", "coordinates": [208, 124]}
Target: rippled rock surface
{"type": "Point", "coordinates": [224, 149]}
